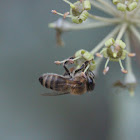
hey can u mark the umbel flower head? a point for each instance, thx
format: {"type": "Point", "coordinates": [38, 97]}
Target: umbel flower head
{"type": "Point", "coordinates": [81, 58]}
{"type": "Point", "coordinates": [124, 5]}
{"type": "Point", "coordinates": [114, 51]}
{"type": "Point", "coordinates": [78, 11]}
{"type": "Point", "coordinates": [125, 18]}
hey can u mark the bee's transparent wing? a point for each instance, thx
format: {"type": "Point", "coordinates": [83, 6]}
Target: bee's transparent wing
{"type": "Point", "coordinates": [54, 93]}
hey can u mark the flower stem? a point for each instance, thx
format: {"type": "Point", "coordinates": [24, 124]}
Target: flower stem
{"type": "Point", "coordinates": [120, 62]}
{"type": "Point", "coordinates": [135, 20]}
{"type": "Point", "coordinates": [71, 4]}
{"type": "Point", "coordinates": [135, 32]}
{"type": "Point", "coordinates": [101, 44]}
{"type": "Point", "coordinates": [110, 20]}
{"type": "Point", "coordinates": [89, 25]}
{"type": "Point", "coordinates": [122, 31]}
{"type": "Point", "coordinates": [60, 14]}
{"type": "Point", "coordinates": [108, 6]}
{"type": "Point", "coordinates": [128, 60]}
{"type": "Point", "coordinates": [107, 61]}
{"type": "Point", "coordinates": [97, 5]}
{"type": "Point", "coordinates": [136, 12]}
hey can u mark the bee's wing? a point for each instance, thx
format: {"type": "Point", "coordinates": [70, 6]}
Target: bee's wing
{"type": "Point", "coordinates": [54, 93]}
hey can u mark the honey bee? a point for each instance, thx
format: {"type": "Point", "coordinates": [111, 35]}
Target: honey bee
{"type": "Point", "coordinates": [76, 84]}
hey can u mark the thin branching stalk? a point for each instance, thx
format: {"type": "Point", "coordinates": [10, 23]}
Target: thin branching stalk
{"type": "Point", "coordinates": [109, 6]}
{"type": "Point", "coordinates": [89, 25]}
{"type": "Point", "coordinates": [101, 44]}
{"type": "Point", "coordinates": [136, 12]}
{"type": "Point", "coordinates": [106, 10]}
{"type": "Point", "coordinates": [110, 20]}
{"type": "Point", "coordinates": [122, 31]}
{"type": "Point", "coordinates": [138, 25]}
{"type": "Point", "coordinates": [135, 32]}
{"type": "Point", "coordinates": [128, 60]}
{"type": "Point", "coordinates": [135, 20]}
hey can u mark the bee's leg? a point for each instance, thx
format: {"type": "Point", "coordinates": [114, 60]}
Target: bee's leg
{"type": "Point", "coordinates": [67, 72]}
{"type": "Point", "coordinates": [68, 61]}
{"type": "Point", "coordinates": [82, 67]}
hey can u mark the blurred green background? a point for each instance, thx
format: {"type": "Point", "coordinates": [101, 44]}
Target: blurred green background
{"type": "Point", "coordinates": [27, 50]}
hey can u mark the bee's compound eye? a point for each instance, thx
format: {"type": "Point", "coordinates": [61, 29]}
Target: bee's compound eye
{"type": "Point", "coordinates": [41, 80]}
{"type": "Point", "coordinates": [90, 81]}
{"type": "Point", "coordinates": [91, 84]}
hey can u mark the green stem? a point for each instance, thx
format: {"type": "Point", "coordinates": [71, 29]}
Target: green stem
{"type": "Point", "coordinates": [136, 12]}
{"type": "Point", "coordinates": [135, 32]}
{"type": "Point", "coordinates": [89, 25]}
{"type": "Point", "coordinates": [71, 4]}
{"type": "Point", "coordinates": [120, 62]}
{"type": "Point", "coordinates": [108, 6]}
{"type": "Point", "coordinates": [63, 14]}
{"type": "Point", "coordinates": [107, 61]}
{"type": "Point", "coordinates": [138, 25]}
{"type": "Point", "coordinates": [128, 60]}
{"type": "Point", "coordinates": [97, 5]}
{"type": "Point", "coordinates": [110, 20]}
{"type": "Point", "coordinates": [135, 20]}
{"type": "Point", "coordinates": [101, 44]}
{"type": "Point", "coordinates": [122, 31]}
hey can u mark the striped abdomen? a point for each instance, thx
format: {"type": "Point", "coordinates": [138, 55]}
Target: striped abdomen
{"type": "Point", "coordinates": [54, 82]}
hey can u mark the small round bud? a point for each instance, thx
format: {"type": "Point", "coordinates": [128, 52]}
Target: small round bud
{"type": "Point", "coordinates": [84, 15]}
{"type": "Point", "coordinates": [88, 56]}
{"type": "Point", "coordinates": [121, 7]}
{"type": "Point", "coordinates": [87, 5]}
{"type": "Point", "coordinates": [79, 53]}
{"type": "Point", "coordinates": [79, 13]}
{"type": "Point", "coordinates": [76, 20]}
{"type": "Point", "coordinates": [116, 2]}
{"type": "Point", "coordinates": [132, 6]}
{"type": "Point", "coordinates": [109, 42]}
{"type": "Point", "coordinates": [120, 43]}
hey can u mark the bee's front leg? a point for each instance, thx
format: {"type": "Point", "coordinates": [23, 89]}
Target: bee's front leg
{"type": "Point", "coordinates": [82, 67]}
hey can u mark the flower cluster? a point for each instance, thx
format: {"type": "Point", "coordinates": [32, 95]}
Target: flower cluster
{"type": "Point", "coordinates": [117, 42]}
{"type": "Point", "coordinates": [114, 51]}
{"type": "Point", "coordinates": [124, 5]}
{"type": "Point", "coordinates": [78, 11]}
{"type": "Point", "coordinates": [81, 58]}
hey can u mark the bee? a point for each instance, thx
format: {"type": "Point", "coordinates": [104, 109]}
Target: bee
{"type": "Point", "coordinates": [77, 83]}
